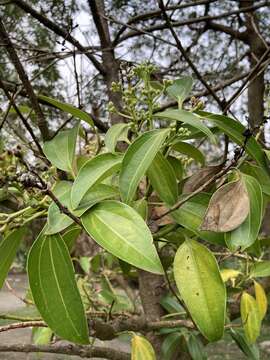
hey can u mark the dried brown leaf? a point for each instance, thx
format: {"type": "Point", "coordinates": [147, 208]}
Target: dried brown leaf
{"type": "Point", "coordinates": [165, 220]}
{"type": "Point", "coordinates": [228, 208]}
{"type": "Point", "coordinates": [200, 177]}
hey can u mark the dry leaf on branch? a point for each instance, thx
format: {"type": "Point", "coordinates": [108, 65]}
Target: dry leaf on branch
{"type": "Point", "coordinates": [228, 208]}
{"type": "Point", "coordinates": [200, 177]}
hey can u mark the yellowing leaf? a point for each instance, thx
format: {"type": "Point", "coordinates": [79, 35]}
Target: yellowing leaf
{"type": "Point", "coordinates": [200, 285]}
{"type": "Point", "coordinates": [228, 274]}
{"type": "Point", "coordinates": [251, 318]}
{"type": "Point", "coordinates": [228, 208]}
{"type": "Point", "coordinates": [261, 299]}
{"type": "Point", "coordinates": [141, 349]}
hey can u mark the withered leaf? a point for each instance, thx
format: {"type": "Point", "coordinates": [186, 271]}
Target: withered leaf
{"type": "Point", "coordinates": [228, 208]}
{"type": "Point", "coordinates": [200, 177]}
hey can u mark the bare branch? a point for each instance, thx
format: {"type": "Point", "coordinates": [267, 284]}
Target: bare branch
{"type": "Point", "coordinates": [59, 31]}
{"type": "Point", "coordinates": [186, 57]}
{"type": "Point", "coordinates": [196, 20]}
{"type": "Point", "coordinates": [25, 81]}
{"type": "Point", "coordinates": [69, 349]}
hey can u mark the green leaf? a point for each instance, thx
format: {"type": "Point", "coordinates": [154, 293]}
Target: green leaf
{"type": "Point", "coordinates": [117, 132]}
{"type": "Point", "coordinates": [195, 348]}
{"type": "Point", "coordinates": [120, 230]}
{"type": "Point", "coordinates": [190, 216]}
{"type": "Point", "coordinates": [250, 316]}
{"type": "Point", "coordinates": [137, 160]}
{"type": "Point", "coordinates": [54, 289]}
{"type": "Point", "coordinates": [246, 234]}
{"type": "Point", "coordinates": [201, 287]}
{"type": "Point", "coordinates": [141, 206]}
{"type": "Point", "coordinates": [77, 113]}
{"type": "Point", "coordinates": [141, 349]}
{"type": "Point", "coordinates": [8, 248]}
{"type": "Point", "coordinates": [171, 305]}
{"type": "Point", "coordinates": [187, 118]}
{"type": "Point", "coordinates": [170, 346]}
{"type": "Point", "coordinates": [61, 149]}
{"type": "Point", "coordinates": [258, 173]}
{"type": "Point", "coordinates": [70, 236]}
{"type": "Point", "coordinates": [260, 269]}
{"type": "Point", "coordinates": [189, 150]}
{"type": "Point", "coordinates": [94, 195]}
{"type": "Point", "coordinates": [57, 221]}
{"type": "Point", "coordinates": [250, 350]}
{"type": "Point", "coordinates": [180, 89]}
{"type": "Point", "coordinates": [93, 171]}
{"type": "Point", "coordinates": [162, 178]}
{"type": "Point", "coordinates": [234, 130]}
{"type": "Point", "coordinates": [177, 167]}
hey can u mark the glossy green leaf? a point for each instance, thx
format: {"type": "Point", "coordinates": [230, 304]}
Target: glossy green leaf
{"type": "Point", "coordinates": [120, 230]}
{"type": "Point", "coordinates": [260, 269]}
{"type": "Point", "coordinates": [170, 346]}
{"type": "Point", "coordinates": [117, 132]}
{"type": "Point", "coordinates": [162, 178]}
{"type": "Point", "coordinates": [71, 235]}
{"type": "Point", "coordinates": [141, 206]}
{"type": "Point", "coordinates": [177, 166]}
{"type": "Point", "coordinates": [246, 234]}
{"type": "Point", "coordinates": [196, 348]}
{"type": "Point", "coordinates": [234, 130]}
{"type": "Point", "coordinates": [250, 316]}
{"type": "Point", "coordinates": [180, 89]}
{"type": "Point", "coordinates": [93, 171]}
{"type": "Point", "coordinates": [189, 150]}
{"type": "Point", "coordinates": [171, 305]}
{"type": "Point", "coordinates": [201, 287]}
{"type": "Point", "coordinates": [137, 160]}
{"type": "Point", "coordinates": [258, 173]}
{"type": "Point", "coordinates": [57, 221]}
{"type": "Point", "coordinates": [141, 349]}
{"type": "Point", "coordinates": [8, 248]}
{"type": "Point", "coordinates": [94, 195]}
{"type": "Point", "coordinates": [250, 350]}
{"type": "Point", "coordinates": [70, 109]}
{"type": "Point", "coordinates": [61, 149]}
{"type": "Point", "coordinates": [54, 289]}
{"type": "Point", "coordinates": [190, 216]}
{"type": "Point", "coordinates": [187, 118]}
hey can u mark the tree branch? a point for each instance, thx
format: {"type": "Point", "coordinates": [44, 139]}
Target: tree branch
{"type": "Point", "coordinates": [186, 57]}
{"type": "Point", "coordinates": [103, 127]}
{"type": "Point", "coordinates": [24, 121]}
{"type": "Point", "coordinates": [25, 81]}
{"type": "Point", "coordinates": [195, 20]}
{"type": "Point", "coordinates": [69, 349]}
{"type": "Point", "coordinates": [59, 31]}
